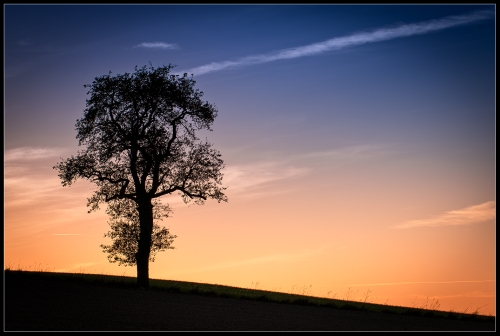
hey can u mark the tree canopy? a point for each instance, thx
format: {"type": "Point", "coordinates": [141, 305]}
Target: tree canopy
{"type": "Point", "coordinates": [139, 133]}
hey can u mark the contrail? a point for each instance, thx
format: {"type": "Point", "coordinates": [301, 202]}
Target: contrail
{"type": "Point", "coordinates": [337, 43]}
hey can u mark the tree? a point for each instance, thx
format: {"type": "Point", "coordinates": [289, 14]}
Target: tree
{"type": "Point", "coordinates": [139, 132]}
{"type": "Point", "coordinates": [125, 232]}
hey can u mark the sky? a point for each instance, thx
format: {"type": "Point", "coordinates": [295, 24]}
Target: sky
{"type": "Point", "coordinates": [359, 143]}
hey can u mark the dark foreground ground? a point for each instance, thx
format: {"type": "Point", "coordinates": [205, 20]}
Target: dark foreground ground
{"type": "Point", "coordinates": [43, 305]}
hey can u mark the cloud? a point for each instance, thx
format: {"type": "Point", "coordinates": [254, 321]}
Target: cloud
{"type": "Point", "coordinates": [474, 294]}
{"type": "Point", "coordinates": [29, 179]}
{"type": "Point", "coordinates": [363, 151]}
{"type": "Point", "coordinates": [260, 260]}
{"type": "Point", "coordinates": [251, 180]}
{"type": "Point", "coordinates": [79, 266]}
{"type": "Point", "coordinates": [422, 282]}
{"type": "Point", "coordinates": [29, 189]}
{"type": "Point", "coordinates": [24, 42]}
{"type": "Point", "coordinates": [355, 39]}
{"type": "Point", "coordinates": [248, 181]}
{"type": "Point", "coordinates": [241, 178]}
{"type": "Point", "coordinates": [470, 215]}
{"type": "Point", "coordinates": [30, 153]}
{"type": "Point", "coordinates": [252, 175]}
{"type": "Point", "coordinates": [157, 45]}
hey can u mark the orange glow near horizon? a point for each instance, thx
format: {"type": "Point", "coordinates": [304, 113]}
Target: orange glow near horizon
{"type": "Point", "coordinates": [275, 247]}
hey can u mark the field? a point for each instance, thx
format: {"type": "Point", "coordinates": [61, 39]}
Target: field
{"type": "Point", "coordinates": [43, 301]}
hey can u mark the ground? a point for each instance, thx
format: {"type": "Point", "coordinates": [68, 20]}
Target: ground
{"type": "Point", "coordinates": [43, 305]}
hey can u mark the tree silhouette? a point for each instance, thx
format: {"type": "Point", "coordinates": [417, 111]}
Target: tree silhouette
{"type": "Point", "coordinates": [125, 232]}
{"type": "Point", "coordinates": [139, 132]}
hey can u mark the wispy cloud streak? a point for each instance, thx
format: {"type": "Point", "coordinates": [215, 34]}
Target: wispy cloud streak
{"type": "Point", "coordinates": [76, 266]}
{"type": "Point", "coordinates": [354, 152]}
{"type": "Point", "coordinates": [470, 215]}
{"type": "Point", "coordinates": [29, 179]}
{"type": "Point", "coordinates": [244, 177]}
{"type": "Point", "coordinates": [24, 43]}
{"type": "Point", "coordinates": [157, 45]}
{"type": "Point", "coordinates": [355, 39]}
{"type": "Point", "coordinates": [267, 259]}
{"type": "Point", "coordinates": [422, 282]}
{"type": "Point", "coordinates": [30, 153]}
{"type": "Point", "coordinates": [252, 180]}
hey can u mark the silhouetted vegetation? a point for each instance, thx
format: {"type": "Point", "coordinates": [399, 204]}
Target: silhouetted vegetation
{"type": "Point", "coordinates": [125, 232]}
{"type": "Point", "coordinates": [139, 130]}
{"type": "Point", "coordinates": [184, 287]}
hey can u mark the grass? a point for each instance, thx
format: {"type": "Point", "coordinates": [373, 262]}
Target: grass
{"type": "Point", "coordinates": [302, 298]}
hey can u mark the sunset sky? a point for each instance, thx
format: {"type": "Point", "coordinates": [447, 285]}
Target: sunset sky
{"type": "Point", "coordinates": [359, 144]}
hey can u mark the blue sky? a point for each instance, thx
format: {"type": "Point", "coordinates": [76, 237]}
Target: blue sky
{"type": "Point", "coordinates": [370, 117]}
{"type": "Point", "coordinates": [58, 48]}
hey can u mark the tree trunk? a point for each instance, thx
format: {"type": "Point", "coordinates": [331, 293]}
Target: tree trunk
{"type": "Point", "coordinates": [142, 257]}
